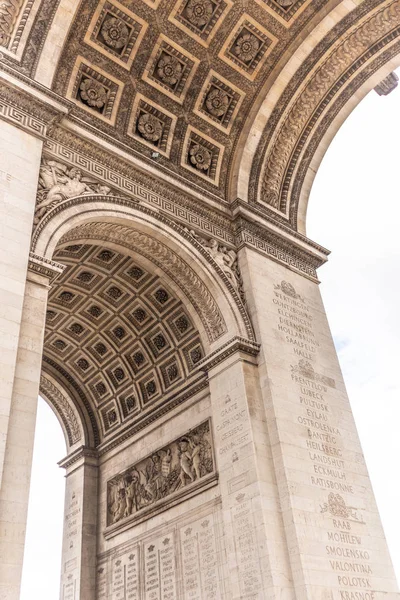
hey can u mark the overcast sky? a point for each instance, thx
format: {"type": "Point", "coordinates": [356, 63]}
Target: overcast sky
{"type": "Point", "coordinates": [354, 211]}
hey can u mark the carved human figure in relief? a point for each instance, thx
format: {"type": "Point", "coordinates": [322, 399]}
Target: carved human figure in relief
{"type": "Point", "coordinates": [166, 471]}
{"type": "Point", "coordinates": [190, 460]}
{"type": "Point", "coordinates": [57, 182]}
{"type": "Point", "coordinates": [225, 259]}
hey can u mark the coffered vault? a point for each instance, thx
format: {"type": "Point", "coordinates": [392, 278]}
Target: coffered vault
{"type": "Point", "coordinates": [159, 289]}
{"type": "Point", "coordinates": [228, 100]}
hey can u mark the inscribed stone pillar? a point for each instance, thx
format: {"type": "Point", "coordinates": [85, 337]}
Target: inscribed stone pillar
{"type": "Point", "coordinates": [20, 160]}
{"type": "Point", "coordinates": [14, 492]}
{"type": "Point", "coordinates": [79, 552]}
{"type": "Point", "coordinates": [257, 559]}
{"type": "Point", "coordinates": [334, 536]}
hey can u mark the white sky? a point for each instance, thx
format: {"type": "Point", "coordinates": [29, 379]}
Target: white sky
{"type": "Point", "coordinates": [354, 211]}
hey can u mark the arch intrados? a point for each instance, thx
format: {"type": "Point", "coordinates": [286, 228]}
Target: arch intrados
{"type": "Point", "coordinates": [221, 301]}
{"type": "Point", "coordinates": [251, 136]}
{"type": "Point", "coordinates": [75, 400]}
{"type": "Point", "coordinates": [260, 148]}
{"type": "Point", "coordinates": [62, 404]}
{"type": "Point", "coordinates": [144, 262]}
{"type": "Point", "coordinates": [307, 181]}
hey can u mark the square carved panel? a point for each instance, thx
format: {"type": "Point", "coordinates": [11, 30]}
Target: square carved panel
{"type": "Point", "coordinates": [151, 125]}
{"type": "Point", "coordinates": [200, 18]}
{"type": "Point", "coordinates": [247, 47]}
{"type": "Point", "coordinates": [116, 32]}
{"type": "Point", "coordinates": [285, 11]}
{"type": "Point", "coordinates": [95, 91]}
{"type": "Point", "coordinates": [202, 155]}
{"type": "Point", "coordinates": [170, 69]}
{"type": "Point", "coordinates": [219, 102]}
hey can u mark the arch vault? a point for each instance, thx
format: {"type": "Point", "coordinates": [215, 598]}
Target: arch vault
{"type": "Point", "coordinates": [159, 290]}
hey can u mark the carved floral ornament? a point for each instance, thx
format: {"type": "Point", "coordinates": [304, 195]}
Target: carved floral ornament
{"type": "Point", "coordinates": [115, 33]}
{"type": "Point", "coordinates": [150, 127]}
{"type": "Point", "coordinates": [169, 69]}
{"type": "Point", "coordinates": [200, 157]}
{"type": "Point", "coordinates": [9, 12]}
{"type": "Point", "coordinates": [217, 102]}
{"type": "Point", "coordinates": [93, 92]}
{"type": "Point", "coordinates": [246, 47]}
{"type": "Point", "coordinates": [199, 12]}
{"type": "Point", "coordinates": [292, 127]}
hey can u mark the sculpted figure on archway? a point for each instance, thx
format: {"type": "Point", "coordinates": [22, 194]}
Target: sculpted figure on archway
{"type": "Point", "coordinates": [186, 349]}
{"type": "Point", "coordinates": [58, 182]}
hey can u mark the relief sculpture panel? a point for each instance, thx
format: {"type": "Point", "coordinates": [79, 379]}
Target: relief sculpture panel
{"type": "Point", "coordinates": [170, 472]}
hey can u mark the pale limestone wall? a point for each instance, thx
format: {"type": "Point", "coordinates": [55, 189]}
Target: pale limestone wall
{"type": "Point", "coordinates": [224, 542]}
{"type": "Point", "coordinates": [336, 544]}
{"type": "Point", "coordinates": [14, 493]}
{"type": "Point", "coordinates": [78, 571]}
{"type": "Point", "coordinates": [167, 524]}
{"type": "Point", "coordinates": [20, 159]}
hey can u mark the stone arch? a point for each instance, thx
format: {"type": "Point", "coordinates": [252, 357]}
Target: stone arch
{"type": "Point", "coordinates": [65, 410]}
{"type": "Point", "coordinates": [218, 303]}
{"type": "Point", "coordinates": [284, 145]}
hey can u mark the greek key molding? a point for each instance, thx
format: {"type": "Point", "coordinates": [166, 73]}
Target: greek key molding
{"type": "Point", "coordinates": [171, 203]}
{"type": "Point", "coordinates": [180, 211]}
{"type": "Point", "coordinates": [35, 110]}
{"type": "Point", "coordinates": [84, 453]}
{"type": "Point", "coordinates": [236, 344]}
{"type": "Point", "coordinates": [282, 249]}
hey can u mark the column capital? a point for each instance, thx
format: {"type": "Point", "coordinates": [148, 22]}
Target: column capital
{"type": "Point", "coordinates": [278, 242]}
{"type": "Point", "coordinates": [40, 268]}
{"type": "Point", "coordinates": [82, 456]}
{"type": "Point", "coordinates": [233, 346]}
{"type": "Point", "coordinates": [29, 105]}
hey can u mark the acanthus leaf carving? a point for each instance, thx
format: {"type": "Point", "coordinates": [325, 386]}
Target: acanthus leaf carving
{"type": "Point", "coordinates": [9, 11]}
{"type": "Point", "coordinates": [310, 96]}
{"type": "Point", "coordinates": [62, 406]}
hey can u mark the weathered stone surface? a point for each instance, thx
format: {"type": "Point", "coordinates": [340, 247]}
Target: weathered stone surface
{"type": "Point", "coordinates": [156, 164]}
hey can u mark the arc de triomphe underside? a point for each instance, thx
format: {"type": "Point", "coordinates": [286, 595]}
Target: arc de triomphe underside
{"type": "Point", "coordinates": [158, 289]}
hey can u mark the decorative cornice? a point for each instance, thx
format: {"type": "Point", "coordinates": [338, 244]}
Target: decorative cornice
{"type": "Point", "coordinates": [385, 87]}
{"type": "Point", "coordinates": [28, 105]}
{"type": "Point", "coordinates": [45, 267]}
{"type": "Point", "coordinates": [236, 344]}
{"type": "Point", "coordinates": [118, 172]}
{"type": "Point", "coordinates": [295, 252]}
{"type": "Point", "coordinates": [84, 453]}
{"type": "Point", "coordinates": [180, 209]}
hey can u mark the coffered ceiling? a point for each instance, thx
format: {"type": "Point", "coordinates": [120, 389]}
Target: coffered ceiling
{"type": "Point", "coordinates": [175, 81]}
{"type": "Point", "coordinates": [117, 336]}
